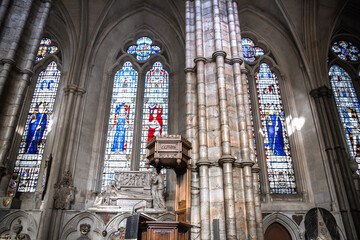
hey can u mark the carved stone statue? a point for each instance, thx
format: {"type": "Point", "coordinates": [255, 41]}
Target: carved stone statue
{"type": "Point", "coordinates": [17, 228]}
{"type": "Point", "coordinates": [157, 189]}
{"type": "Point", "coordinates": [64, 192]}
{"type": "Point", "coordinates": [104, 197]}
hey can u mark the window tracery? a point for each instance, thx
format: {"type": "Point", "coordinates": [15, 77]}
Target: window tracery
{"type": "Point", "coordinates": [346, 50]}
{"type": "Point", "coordinates": [151, 103]}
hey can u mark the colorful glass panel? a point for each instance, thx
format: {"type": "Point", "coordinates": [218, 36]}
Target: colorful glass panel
{"type": "Point", "coordinates": [119, 139]}
{"type": "Point", "coordinates": [250, 52]}
{"type": "Point", "coordinates": [33, 139]}
{"type": "Point", "coordinates": [143, 49]}
{"type": "Point", "coordinates": [347, 51]}
{"type": "Point", "coordinates": [348, 107]}
{"type": "Point", "coordinates": [155, 109]}
{"type": "Point", "coordinates": [277, 149]}
{"type": "Point", "coordinates": [45, 48]}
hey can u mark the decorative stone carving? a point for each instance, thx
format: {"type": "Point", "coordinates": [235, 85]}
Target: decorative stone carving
{"type": "Point", "coordinates": [17, 228]}
{"type": "Point", "coordinates": [157, 189]}
{"type": "Point", "coordinates": [84, 230]}
{"type": "Point", "coordinates": [7, 198]}
{"type": "Point", "coordinates": [120, 234]}
{"type": "Point", "coordinates": [126, 190]}
{"type": "Point", "coordinates": [64, 192]}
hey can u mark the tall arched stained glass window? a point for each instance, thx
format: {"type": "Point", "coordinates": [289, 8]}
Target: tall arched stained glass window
{"type": "Point", "coordinates": [37, 126]}
{"type": "Point", "coordinates": [277, 149]}
{"type": "Point", "coordinates": [155, 109]}
{"type": "Point", "coordinates": [121, 122]}
{"type": "Point", "coordinates": [348, 107]}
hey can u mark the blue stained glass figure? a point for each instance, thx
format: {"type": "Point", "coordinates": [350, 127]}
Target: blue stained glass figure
{"type": "Point", "coordinates": [277, 149]}
{"type": "Point", "coordinates": [36, 129]}
{"type": "Point", "coordinates": [143, 49]}
{"type": "Point", "coordinates": [121, 123]}
{"type": "Point", "coordinates": [274, 131]}
{"type": "Point", "coordinates": [348, 108]}
{"type": "Point", "coordinates": [121, 116]}
{"type": "Point", "coordinates": [37, 125]}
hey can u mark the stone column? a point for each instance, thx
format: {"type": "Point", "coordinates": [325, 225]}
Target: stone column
{"type": "Point", "coordinates": [257, 201]}
{"type": "Point", "coordinates": [191, 116]}
{"type": "Point", "coordinates": [338, 160]}
{"type": "Point", "coordinates": [18, 60]}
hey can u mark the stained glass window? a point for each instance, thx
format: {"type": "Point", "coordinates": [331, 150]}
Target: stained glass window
{"type": "Point", "coordinates": [348, 107]}
{"type": "Point", "coordinates": [155, 109]}
{"type": "Point", "coordinates": [250, 52]}
{"type": "Point", "coordinates": [346, 51]}
{"type": "Point", "coordinates": [277, 149]}
{"type": "Point", "coordinates": [121, 123]}
{"type": "Point", "coordinates": [37, 126]}
{"type": "Point", "coordinates": [45, 48]}
{"type": "Point", "coordinates": [143, 49]}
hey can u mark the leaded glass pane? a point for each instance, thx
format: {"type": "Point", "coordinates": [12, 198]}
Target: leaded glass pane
{"type": "Point", "coordinates": [37, 126]}
{"type": "Point", "coordinates": [155, 110]}
{"type": "Point", "coordinates": [119, 139]}
{"type": "Point", "coordinates": [347, 51]}
{"type": "Point", "coordinates": [277, 149]}
{"type": "Point", "coordinates": [348, 107]}
{"type": "Point", "coordinates": [143, 49]}
{"type": "Point", "coordinates": [250, 52]}
{"type": "Point", "coordinates": [45, 48]}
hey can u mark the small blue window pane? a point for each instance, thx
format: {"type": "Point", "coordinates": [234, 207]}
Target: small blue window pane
{"type": "Point", "coordinates": [143, 49]}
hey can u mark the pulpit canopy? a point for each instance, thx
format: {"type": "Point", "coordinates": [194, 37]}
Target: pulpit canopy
{"type": "Point", "coordinates": [172, 152]}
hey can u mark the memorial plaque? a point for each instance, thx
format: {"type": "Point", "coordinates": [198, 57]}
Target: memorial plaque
{"type": "Point", "coordinates": [132, 226]}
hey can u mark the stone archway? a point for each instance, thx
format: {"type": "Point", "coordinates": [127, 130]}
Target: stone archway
{"type": "Point", "coordinates": [276, 231]}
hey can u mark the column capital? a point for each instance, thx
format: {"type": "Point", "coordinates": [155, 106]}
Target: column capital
{"type": "Point", "coordinates": [226, 159]}
{"type": "Point", "coordinates": [218, 53]}
{"type": "Point", "coordinates": [197, 59]}
{"type": "Point", "coordinates": [321, 92]}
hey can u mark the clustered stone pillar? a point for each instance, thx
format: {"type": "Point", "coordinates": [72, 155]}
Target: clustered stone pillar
{"type": "Point", "coordinates": [217, 89]}
{"type": "Point", "coordinates": [22, 28]}
{"type": "Point", "coordinates": [339, 162]}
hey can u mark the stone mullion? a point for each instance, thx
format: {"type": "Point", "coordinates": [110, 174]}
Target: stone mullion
{"type": "Point", "coordinates": [74, 132]}
{"type": "Point", "coordinates": [191, 117]}
{"type": "Point", "coordinates": [22, 74]}
{"type": "Point", "coordinates": [257, 201]}
{"type": "Point", "coordinates": [203, 162]}
{"type": "Point", "coordinates": [226, 159]}
{"type": "Point", "coordinates": [321, 96]}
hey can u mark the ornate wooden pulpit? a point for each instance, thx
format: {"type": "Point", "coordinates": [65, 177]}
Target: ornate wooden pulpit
{"type": "Point", "coordinates": [173, 152]}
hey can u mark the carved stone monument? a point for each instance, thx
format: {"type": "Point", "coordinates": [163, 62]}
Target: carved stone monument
{"type": "Point", "coordinates": [129, 189]}
{"type": "Point", "coordinates": [64, 192]}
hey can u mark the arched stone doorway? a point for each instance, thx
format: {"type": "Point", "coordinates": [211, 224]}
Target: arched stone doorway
{"type": "Point", "coordinates": [277, 232]}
